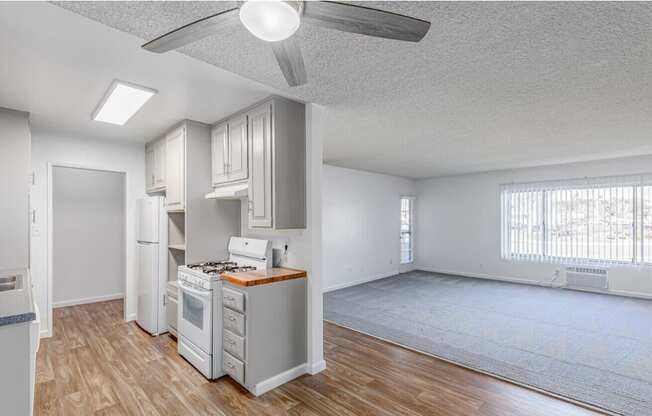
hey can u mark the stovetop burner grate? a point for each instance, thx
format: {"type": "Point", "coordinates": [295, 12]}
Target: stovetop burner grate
{"type": "Point", "coordinates": [216, 267]}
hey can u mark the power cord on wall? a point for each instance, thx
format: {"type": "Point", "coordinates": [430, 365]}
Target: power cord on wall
{"type": "Point", "coordinates": [555, 278]}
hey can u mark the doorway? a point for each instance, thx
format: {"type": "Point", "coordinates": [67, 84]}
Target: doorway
{"type": "Point", "coordinates": [88, 241]}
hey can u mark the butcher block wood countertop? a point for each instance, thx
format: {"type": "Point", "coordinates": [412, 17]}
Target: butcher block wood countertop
{"type": "Point", "coordinates": [263, 277]}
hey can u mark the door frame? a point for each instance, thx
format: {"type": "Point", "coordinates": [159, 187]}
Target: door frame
{"type": "Point", "coordinates": [50, 233]}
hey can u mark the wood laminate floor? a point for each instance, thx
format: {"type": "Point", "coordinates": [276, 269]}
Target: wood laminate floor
{"type": "Point", "coordinates": [96, 364]}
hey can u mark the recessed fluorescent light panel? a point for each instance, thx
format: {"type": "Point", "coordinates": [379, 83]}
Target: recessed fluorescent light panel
{"type": "Point", "coordinates": [121, 102]}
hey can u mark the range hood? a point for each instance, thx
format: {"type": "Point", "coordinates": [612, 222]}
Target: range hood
{"type": "Point", "coordinates": [237, 191]}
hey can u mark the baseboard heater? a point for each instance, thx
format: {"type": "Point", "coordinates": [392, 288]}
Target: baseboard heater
{"type": "Point", "coordinates": [589, 278]}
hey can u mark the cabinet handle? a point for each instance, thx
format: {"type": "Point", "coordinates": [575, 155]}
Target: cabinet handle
{"type": "Point", "coordinates": [231, 318]}
{"type": "Point", "coordinates": [230, 342]}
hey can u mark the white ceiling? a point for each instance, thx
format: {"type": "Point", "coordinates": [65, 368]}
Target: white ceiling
{"type": "Point", "coordinates": [57, 65]}
{"type": "Point", "coordinates": [493, 85]}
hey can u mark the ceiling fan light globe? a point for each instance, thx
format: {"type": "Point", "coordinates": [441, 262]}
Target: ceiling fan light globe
{"type": "Point", "coordinates": [270, 20]}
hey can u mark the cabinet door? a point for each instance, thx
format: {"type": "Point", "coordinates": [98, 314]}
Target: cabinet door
{"type": "Point", "coordinates": [160, 163]}
{"type": "Point", "coordinates": [260, 163]}
{"type": "Point", "coordinates": [219, 149]}
{"type": "Point", "coordinates": [150, 162]}
{"type": "Point", "coordinates": [175, 169]}
{"type": "Point", "coordinates": [237, 163]}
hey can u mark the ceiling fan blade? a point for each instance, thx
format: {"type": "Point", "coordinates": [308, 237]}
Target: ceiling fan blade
{"type": "Point", "coordinates": [364, 20]}
{"type": "Point", "coordinates": [194, 31]}
{"type": "Point", "coordinates": [288, 55]}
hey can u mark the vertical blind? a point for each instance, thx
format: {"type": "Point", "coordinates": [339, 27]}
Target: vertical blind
{"type": "Point", "coordinates": [592, 220]}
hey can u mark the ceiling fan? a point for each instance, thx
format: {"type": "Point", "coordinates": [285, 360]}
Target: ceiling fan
{"type": "Point", "coordinates": [275, 21]}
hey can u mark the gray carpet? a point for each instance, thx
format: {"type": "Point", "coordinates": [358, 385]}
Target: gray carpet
{"type": "Point", "coordinates": [589, 347]}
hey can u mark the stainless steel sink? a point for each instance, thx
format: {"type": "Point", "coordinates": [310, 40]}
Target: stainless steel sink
{"type": "Point", "coordinates": [10, 283]}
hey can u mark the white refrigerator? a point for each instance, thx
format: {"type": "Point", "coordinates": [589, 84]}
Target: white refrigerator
{"type": "Point", "coordinates": [152, 253]}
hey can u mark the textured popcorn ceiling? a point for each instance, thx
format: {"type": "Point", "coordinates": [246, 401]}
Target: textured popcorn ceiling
{"type": "Point", "coordinates": [492, 85]}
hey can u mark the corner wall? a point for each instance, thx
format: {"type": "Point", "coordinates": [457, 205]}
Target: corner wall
{"type": "Point", "coordinates": [361, 225]}
{"type": "Point", "coordinates": [118, 156]}
{"type": "Point", "coordinates": [458, 224]}
{"type": "Point", "coordinates": [305, 245]}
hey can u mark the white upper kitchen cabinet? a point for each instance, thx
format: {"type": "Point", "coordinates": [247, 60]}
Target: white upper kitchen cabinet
{"type": "Point", "coordinates": [277, 165]}
{"type": "Point", "coordinates": [176, 169]}
{"type": "Point", "coordinates": [149, 167]}
{"type": "Point", "coordinates": [160, 151]}
{"type": "Point", "coordinates": [260, 156]}
{"type": "Point", "coordinates": [219, 150]}
{"type": "Point", "coordinates": [229, 149]}
{"type": "Point", "coordinates": [238, 168]}
{"type": "Point", "coordinates": [155, 165]}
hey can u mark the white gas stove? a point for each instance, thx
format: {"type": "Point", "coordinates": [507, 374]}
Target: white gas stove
{"type": "Point", "coordinates": [200, 302]}
{"type": "Point", "coordinates": [205, 274]}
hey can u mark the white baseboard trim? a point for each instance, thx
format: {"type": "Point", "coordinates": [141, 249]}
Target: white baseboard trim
{"type": "Point", "coordinates": [317, 367]}
{"type": "Point", "coordinates": [279, 379]}
{"type": "Point", "coordinates": [613, 292]}
{"type": "Point", "coordinates": [45, 333]}
{"type": "Point", "coordinates": [131, 317]}
{"type": "Point", "coordinates": [84, 301]}
{"type": "Point", "coordinates": [360, 281]}
{"type": "Point", "coordinates": [481, 276]}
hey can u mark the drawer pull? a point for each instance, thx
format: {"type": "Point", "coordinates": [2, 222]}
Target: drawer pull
{"type": "Point", "coordinates": [230, 364]}
{"type": "Point", "coordinates": [231, 298]}
{"type": "Point", "coordinates": [234, 322]}
{"type": "Point", "coordinates": [230, 341]}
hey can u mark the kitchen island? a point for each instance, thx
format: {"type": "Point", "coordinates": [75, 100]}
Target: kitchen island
{"type": "Point", "coordinates": [265, 327]}
{"type": "Point", "coordinates": [262, 277]}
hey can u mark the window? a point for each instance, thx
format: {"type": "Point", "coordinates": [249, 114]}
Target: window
{"type": "Point", "coordinates": [592, 220]}
{"type": "Point", "coordinates": [407, 219]}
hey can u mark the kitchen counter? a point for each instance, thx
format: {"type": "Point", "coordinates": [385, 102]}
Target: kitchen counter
{"type": "Point", "coordinates": [17, 306]}
{"type": "Point", "coordinates": [263, 277]}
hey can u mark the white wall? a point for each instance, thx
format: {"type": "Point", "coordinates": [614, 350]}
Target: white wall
{"type": "Point", "coordinates": [361, 225]}
{"type": "Point", "coordinates": [58, 148]}
{"type": "Point", "coordinates": [458, 224]}
{"type": "Point", "coordinates": [14, 169]}
{"type": "Point", "coordinates": [88, 253]}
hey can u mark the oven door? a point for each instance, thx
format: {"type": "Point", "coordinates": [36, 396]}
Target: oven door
{"type": "Point", "coordinates": [195, 316]}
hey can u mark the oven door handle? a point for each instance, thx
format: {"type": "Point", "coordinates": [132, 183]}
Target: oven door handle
{"type": "Point", "coordinates": [202, 293]}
